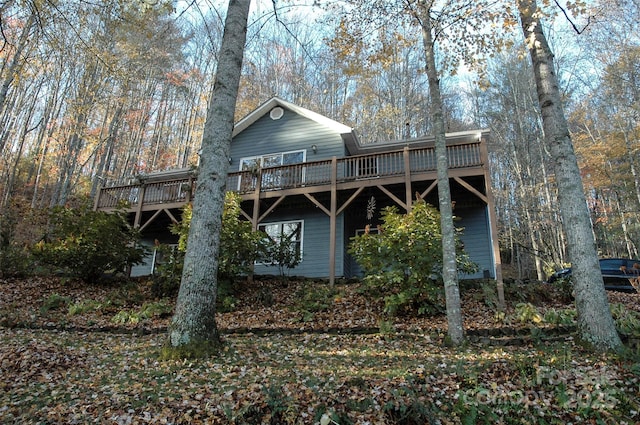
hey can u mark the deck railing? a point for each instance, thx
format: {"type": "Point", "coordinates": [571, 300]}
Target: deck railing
{"type": "Point", "coordinates": [314, 173]}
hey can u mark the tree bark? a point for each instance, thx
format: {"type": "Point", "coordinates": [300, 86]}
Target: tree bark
{"type": "Point", "coordinates": [595, 323]}
{"type": "Point", "coordinates": [194, 322]}
{"type": "Point", "coordinates": [449, 266]}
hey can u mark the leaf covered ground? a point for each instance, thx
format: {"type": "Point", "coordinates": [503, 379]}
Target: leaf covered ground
{"type": "Point", "coordinates": [73, 353]}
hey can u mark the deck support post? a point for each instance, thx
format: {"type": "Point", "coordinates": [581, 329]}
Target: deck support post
{"type": "Point", "coordinates": [256, 216]}
{"type": "Point", "coordinates": [138, 218]}
{"type": "Point", "coordinates": [493, 223]}
{"type": "Point", "coordinates": [332, 221]}
{"type": "Point", "coordinates": [407, 178]}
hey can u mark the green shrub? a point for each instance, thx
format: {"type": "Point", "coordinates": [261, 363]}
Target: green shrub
{"type": "Point", "coordinates": [20, 227]}
{"type": "Point", "coordinates": [152, 310]}
{"type": "Point", "coordinates": [54, 302]}
{"type": "Point", "coordinates": [563, 317]}
{"type": "Point", "coordinates": [123, 317]}
{"type": "Point", "coordinates": [528, 313]}
{"type": "Point", "coordinates": [167, 272]}
{"type": "Point", "coordinates": [159, 309]}
{"type": "Point", "coordinates": [225, 298]}
{"type": "Point", "coordinates": [240, 246]}
{"type": "Point", "coordinates": [15, 261]}
{"type": "Point", "coordinates": [403, 261]}
{"type": "Point", "coordinates": [86, 243]}
{"type": "Point", "coordinates": [282, 252]}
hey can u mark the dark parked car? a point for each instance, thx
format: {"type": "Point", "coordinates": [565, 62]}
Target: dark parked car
{"type": "Point", "coordinates": [616, 273]}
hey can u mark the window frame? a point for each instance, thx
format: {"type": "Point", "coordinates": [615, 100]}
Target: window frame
{"type": "Point", "coordinates": [281, 224]}
{"type": "Point", "coordinates": [259, 160]}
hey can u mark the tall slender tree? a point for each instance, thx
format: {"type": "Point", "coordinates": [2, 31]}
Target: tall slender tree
{"type": "Point", "coordinates": [194, 324]}
{"type": "Point", "coordinates": [594, 318]}
{"type": "Point", "coordinates": [449, 266]}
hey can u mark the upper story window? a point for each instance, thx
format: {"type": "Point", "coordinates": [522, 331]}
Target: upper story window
{"type": "Point", "coordinates": [272, 160]}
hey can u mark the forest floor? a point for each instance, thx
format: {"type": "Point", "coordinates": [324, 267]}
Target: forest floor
{"type": "Point", "coordinates": [302, 353]}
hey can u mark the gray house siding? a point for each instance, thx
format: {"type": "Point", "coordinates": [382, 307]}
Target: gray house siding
{"type": "Point", "coordinates": [315, 244]}
{"type": "Point", "coordinates": [477, 239]}
{"type": "Point", "coordinates": [289, 133]}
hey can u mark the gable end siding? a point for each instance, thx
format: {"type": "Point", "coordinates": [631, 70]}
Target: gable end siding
{"type": "Point", "coordinates": [291, 132]}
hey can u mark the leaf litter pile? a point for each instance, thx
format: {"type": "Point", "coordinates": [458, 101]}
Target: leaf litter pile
{"type": "Point", "coordinates": [73, 353]}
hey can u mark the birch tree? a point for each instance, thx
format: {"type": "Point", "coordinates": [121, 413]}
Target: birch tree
{"type": "Point", "coordinates": [595, 323]}
{"type": "Point", "coordinates": [193, 326]}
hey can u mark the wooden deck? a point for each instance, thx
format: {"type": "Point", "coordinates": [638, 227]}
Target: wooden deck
{"type": "Point", "coordinates": [353, 172]}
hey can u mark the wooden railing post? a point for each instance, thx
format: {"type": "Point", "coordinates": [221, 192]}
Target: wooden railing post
{"type": "Point", "coordinates": [256, 200]}
{"type": "Point", "coordinates": [96, 204]}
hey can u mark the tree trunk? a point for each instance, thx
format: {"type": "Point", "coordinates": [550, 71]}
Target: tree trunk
{"type": "Point", "coordinates": [14, 66]}
{"type": "Point", "coordinates": [193, 323]}
{"type": "Point", "coordinates": [449, 266]}
{"type": "Point", "coordinates": [594, 318]}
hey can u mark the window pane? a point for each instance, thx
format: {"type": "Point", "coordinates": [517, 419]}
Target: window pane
{"type": "Point", "coordinates": [292, 230]}
{"type": "Point", "coordinates": [271, 160]}
{"type": "Point", "coordinates": [249, 164]}
{"type": "Point", "coordinates": [292, 157]}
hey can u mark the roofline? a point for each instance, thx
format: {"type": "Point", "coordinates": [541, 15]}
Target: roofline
{"type": "Point", "coordinates": [276, 101]}
{"type": "Point", "coordinates": [458, 137]}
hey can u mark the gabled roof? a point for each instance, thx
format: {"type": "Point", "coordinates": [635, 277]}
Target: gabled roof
{"type": "Point", "coordinates": [266, 107]}
{"type": "Point", "coordinates": [353, 145]}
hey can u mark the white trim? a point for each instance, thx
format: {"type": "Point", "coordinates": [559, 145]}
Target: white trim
{"type": "Point", "coordinates": [276, 113]}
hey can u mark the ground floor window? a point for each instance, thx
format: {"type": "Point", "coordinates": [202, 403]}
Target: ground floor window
{"type": "Point", "coordinates": [286, 231]}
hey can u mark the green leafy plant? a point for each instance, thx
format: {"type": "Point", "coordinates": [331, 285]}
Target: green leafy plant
{"type": "Point", "coordinates": [162, 308]}
{"type": "Point", "coordinates": [85, 306]}
{"type": "Point", "coordinates": [54, 302]}
{"type": "Point", "coordinates": [124, 317]}
{"type": "Point", "coordinates": [240, 246]}
{"type": "Point", "coordinates": [282, 252]}
{"type": "Point", "coordinates": [564, 317]}
{"type": "Point", "coordinates": [314, 298]}
{"type": "Point", "coordinates": [403, 260]}
{"type": "Point", "coordinates": [226, 300]}
{"type": "Point", "coordinates": [168, 270]}
{"type": "Point", "coordinates": [150, 310]}
{"type": "Point", "coordinates": [86, 243]}
{"type": "Point", "coordinates": [627, 321]}
{"type": "Point", "coordinates": [19, 226]}
{"type": "Point", "coordinates": [528, 313]}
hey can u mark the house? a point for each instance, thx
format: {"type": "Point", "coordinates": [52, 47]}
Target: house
{"type": "Point", "coordinates": [306, 176]}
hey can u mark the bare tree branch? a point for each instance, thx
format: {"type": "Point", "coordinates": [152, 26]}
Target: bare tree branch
{"type": "Point", "coordinates": [566, 15]}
